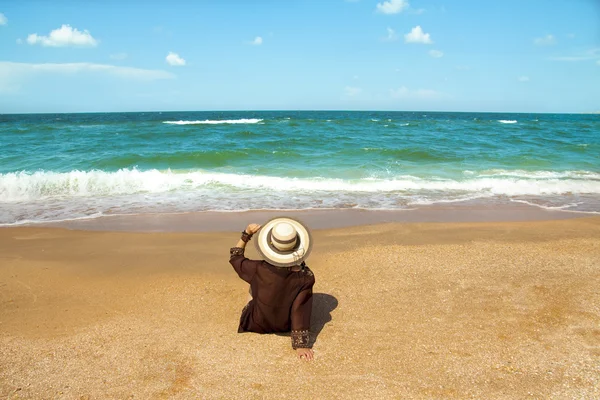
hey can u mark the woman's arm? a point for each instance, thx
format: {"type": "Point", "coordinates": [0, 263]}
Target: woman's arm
{"type": "Point", "coordinates": [249, 231]}
{"type": "Point", "coordinates": [300, 321]}
{"type": "Point", "coordinates": [245, 268]}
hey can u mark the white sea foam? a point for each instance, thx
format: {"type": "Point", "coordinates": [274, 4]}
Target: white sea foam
{"type": "Point", "coordinates": [584, 175]}
{"type": "Point", "coordinates": [546, 207]}
{"type": "Point", "coordinates": [426, 201]}
{"type": "Point", "coordinates": [216, 122]}
{"type": "Point", "coordinates": [45, 220]}
{"type": "Point", "coordinates": [507, 121]}
{"type": "Point", "coordinates": [53, 196]}
{"type": "Point", "coordinates": [564, 208]}
{"type": "Point", "coordinates": [23, 186]}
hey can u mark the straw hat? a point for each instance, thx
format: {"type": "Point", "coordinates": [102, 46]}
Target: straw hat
{"type": "Point", "coordinates": [284, 242]}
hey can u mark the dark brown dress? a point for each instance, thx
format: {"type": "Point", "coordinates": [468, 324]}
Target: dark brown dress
{"type": "Point", "coordinates": [281, 298]}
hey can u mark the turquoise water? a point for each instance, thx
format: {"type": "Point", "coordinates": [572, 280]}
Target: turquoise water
{"type": "Point", "coordinates": [68, 166]}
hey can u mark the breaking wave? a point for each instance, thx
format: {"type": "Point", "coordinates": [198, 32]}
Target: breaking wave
{"type": "Point", "coordinates": [216, 122]}
{"type": "Point", "coordinates": [24, 186]}
{"type": "Point", "coordinates": [45, 196]}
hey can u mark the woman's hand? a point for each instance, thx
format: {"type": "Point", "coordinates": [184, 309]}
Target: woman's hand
{"type": "Point", "coordinates": [305, 354]}
{"type": "Point", "coordinates": [252, 229]}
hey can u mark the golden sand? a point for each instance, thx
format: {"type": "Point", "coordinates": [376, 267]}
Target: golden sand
{"type": "Point", "coordinates": [434, 311]}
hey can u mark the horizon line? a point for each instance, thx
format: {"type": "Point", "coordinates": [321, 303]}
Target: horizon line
{"type": "Point", "coordinates": [299, 110]}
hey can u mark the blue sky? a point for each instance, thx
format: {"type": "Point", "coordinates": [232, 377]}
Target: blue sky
{"type": "Point", "coordinates": [467, 55]}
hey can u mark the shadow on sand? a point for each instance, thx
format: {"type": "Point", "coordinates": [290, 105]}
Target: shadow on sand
{"type": "Point", "coordinates": [323, 305]}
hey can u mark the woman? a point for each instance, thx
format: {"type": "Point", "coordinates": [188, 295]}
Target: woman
{"type": "Point", "coordinates": [281, 284]}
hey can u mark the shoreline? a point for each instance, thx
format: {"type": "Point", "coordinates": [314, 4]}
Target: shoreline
{"type": "Point", "coordinates": [222, 221]}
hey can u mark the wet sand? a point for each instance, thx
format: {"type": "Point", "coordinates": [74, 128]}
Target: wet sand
{"type": "Point", "coordinates": [495, 310]}
{"type": "Point", "coordinates": [213, 221]}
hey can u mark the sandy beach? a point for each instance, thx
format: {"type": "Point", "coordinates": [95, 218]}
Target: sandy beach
{"type": "Point", "coordinates": [494, 310]}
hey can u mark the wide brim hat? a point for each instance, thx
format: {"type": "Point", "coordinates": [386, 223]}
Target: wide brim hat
{"type": "Point", "coordinates": [296, 255]}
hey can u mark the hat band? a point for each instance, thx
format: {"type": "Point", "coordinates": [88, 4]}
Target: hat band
{"type": "Point", "coordinates": [288, 241]}
{"type": "Point", "coordinates": [271, 239]}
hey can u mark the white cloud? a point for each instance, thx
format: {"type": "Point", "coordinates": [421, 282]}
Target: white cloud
{"type": "Point", "coordinates": [545, 40]}
{"type": "Point", "coordinates": [257, 41]}
{"type": "Point", "coordinates": [436, 53]}
{"type": "Point", "coordinates": [416, 35]}
{"type": "Point", "coordinates": [523, 79]}
{"type": "Point", "coordinates": [64, 36]}
{"type": "Point", "coordinates": [570, 58]}
{"type": "Point", "coordinates": [3, 19]}
{"type": "Point", "coordinates": [118, 56]}
{"type": "Point", "coordinates": [350, 91]}
{"type": "Point", "coordinates": [418, 94]}
{"type": "Point", "coordinates": [590, 54]}
{"type": "Point", "coordinates": [392, 6]}
{"type": "Point", "coordinates": [391, 35]}
{"type": "Point", "coordinates": [13, 73]}
{"type": "Point", "coordinates": [174, 59]}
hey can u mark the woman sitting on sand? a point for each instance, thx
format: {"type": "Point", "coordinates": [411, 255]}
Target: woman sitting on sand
{"type": "Point", "coordinates": [281, 285]}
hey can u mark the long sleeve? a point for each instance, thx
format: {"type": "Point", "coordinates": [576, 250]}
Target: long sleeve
{"type": "Point", "coordinates": [300, 319]}
{"type": "Point", "coordinates": [244, 267]}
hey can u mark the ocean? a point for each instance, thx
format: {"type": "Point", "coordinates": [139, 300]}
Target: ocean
{"type": "Point", "coordinates": [57, 167]}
